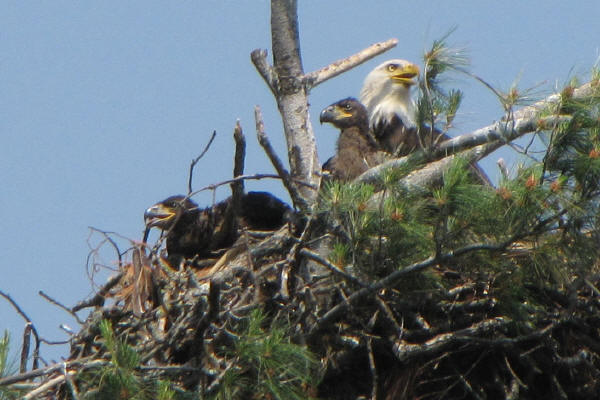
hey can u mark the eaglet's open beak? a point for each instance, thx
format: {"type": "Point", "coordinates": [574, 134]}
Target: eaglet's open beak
{"type": "Point", "coordinates": [405, 74]}
{"type": "Point", "coordinates": [158, 215]}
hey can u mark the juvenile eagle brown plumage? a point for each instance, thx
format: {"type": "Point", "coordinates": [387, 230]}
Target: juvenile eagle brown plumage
{"type": "Point", "coordinates": [198, 232]}
{"type": "Point", "coordinates": [357, 151]}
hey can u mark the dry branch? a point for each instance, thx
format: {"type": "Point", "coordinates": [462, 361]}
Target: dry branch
{"type": "Point", "coordinates": [195, 161]}
{"type": "Point", "coordinates": [60, 305]}
{"type": "Point", "coordinates": [286, 179]}
{"type": "Point", "coordinates": [338, 67]}
{"type": "Point", "coordinates": [292, 97]}
{"type": "Point", "coordinates": [100, 296]}
{"type": "Point", "coordinates": [259, 59]}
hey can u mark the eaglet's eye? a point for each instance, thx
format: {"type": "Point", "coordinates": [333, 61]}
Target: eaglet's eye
{"type": "Point", "coordinates": [348, 107]}
{"type": "Point", "coordinates": [392, 67]}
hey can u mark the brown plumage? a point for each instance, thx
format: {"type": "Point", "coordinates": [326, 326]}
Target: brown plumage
{"type": "Point", "coordinates": [357, 151]}
{"type": "Point", "coordinates": [195, 232]}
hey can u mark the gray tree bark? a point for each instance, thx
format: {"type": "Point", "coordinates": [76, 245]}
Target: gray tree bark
{"type": "Point", "coordinates": [292, 97]}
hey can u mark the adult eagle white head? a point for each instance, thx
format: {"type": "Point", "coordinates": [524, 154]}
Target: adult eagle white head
{"type": "Point", "coordinates": [392, 115]}
{"type": "Point", "coordinates": [392, 112]}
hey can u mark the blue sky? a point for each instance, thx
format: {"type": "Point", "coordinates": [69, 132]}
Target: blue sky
{"type": "Point", "coordinates": [104, 104]}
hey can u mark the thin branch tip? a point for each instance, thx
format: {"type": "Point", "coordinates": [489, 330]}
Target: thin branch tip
{"type": "Point", "coordinates": [338, 67]}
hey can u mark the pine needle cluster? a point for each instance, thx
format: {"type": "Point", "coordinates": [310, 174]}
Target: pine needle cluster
{"type": "Point", "coordinates": [121, 377]}
{"type": "Point", "coordinates": [265, 364]}
{"type": "Point", "coordinates": [6, 368]}
{"type": "Point", "coordinates": [539, 227]}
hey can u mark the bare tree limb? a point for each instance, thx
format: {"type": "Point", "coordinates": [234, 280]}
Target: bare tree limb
{"type": "Point", "coordinates": [240, 155]}
{"type": "Point", "coordinates": [276, 161]}
{"type": "Point", "coordinates": [291, 97]}
{"type": "Point", "coordinates": [338, 67]}
{"type": "Point", "coordinates": [237, 186]}
{"type": "Point", "coordinates": [259, 59]}
{"type": "Point", "coordinates": [311, 255]}
{"type": "Point", "coordinates": [373, 368]}
{"type": "Point", "coordinates": [98, 299]}
{"type": "Point", "coordinates": [485, 140]}
{"type": "Point", "coordinates": [45, 386]}
{"type": "Point", "coordinates": [25, 348]}
{"type": "Point", "coordinates": [58, 304]}
{"type": "Point", "coordinates": [247, 177]}
{"type": "Point", "coordinates": [481, 142]}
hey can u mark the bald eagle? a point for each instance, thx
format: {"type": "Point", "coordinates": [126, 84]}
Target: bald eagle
{"type": "Point", "coordinates": [197, 232]}
{"type": "Point", "coordinates": [392, 112]}
{"type": "Point", "coordinates": [357, 150]}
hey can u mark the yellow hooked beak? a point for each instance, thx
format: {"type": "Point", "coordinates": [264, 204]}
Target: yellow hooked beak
{"type": "Point", "coordinates": [158, 215]}
{"type": "Point", "coordinates": [403, 74]}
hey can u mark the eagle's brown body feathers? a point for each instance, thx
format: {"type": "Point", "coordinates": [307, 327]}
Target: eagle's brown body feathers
{"type": "Point", "coordinates": [198, 232]}
{"type": "Point", "coordinates": [357, 151]}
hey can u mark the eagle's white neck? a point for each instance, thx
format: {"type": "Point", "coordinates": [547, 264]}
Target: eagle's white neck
{"type": "Point", "coordinates": [383, 101]}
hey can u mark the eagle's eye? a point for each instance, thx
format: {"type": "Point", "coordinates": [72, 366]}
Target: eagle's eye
{"type": "Point", "coordinates": [392, 67]}
{"type": "Point", "coordinates": [348, 107]}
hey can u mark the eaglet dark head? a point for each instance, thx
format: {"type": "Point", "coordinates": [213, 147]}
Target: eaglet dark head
{"type": "Point", "coordinates": [197, 232]}
{"type": "Point", "coordinates": [357, 151]}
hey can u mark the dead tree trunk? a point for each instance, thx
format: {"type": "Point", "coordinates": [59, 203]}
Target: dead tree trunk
{"type": "Point", "coordinates": [286, 82]}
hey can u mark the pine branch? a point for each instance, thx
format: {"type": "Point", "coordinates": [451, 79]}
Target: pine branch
{"type": "Point", "coordinates": [485, 140]}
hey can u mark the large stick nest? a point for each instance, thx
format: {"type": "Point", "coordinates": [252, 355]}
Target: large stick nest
{"type": "Point", "coordinates": [394, 343]}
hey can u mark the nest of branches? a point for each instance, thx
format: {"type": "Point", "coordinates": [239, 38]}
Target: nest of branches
{"type": "Point", "coordinates": [386, 337]}
{"type": "Point", "coordinates": [459, 292]}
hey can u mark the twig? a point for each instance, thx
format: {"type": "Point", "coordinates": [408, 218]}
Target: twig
{"type": "Point", "coordinates": [169, 368]}
{"type": "Point", "coordinates": [195, 160]}
{"type": "Point", "coordinates": [65, 308]}
{"type": "Point", "coordinates": [390, 316]}
{"type": "Point", "coordinates": [98, 299]}
{"type": "Point", "coordinates": [38, 372]}
{"type": "Point", "coordinates": [247, 177]}
{"type": "Point", "coordinates": [311, 255]}
{"type": "Point", "coordinates": [259, 59]}
{"type": "Point", "coordinates": [25, 348]}
{"type": "Point", "coordinates": [404, 351]}
{"type": "Point", "coordinates": [67, 376]}
{"type": "Point", "coordinates": [49, 384]}
{"type": "Point", "coordinates": [106, 235]}
{"type": "Point", "coordinates": [338, 67]}
{"type": "Point", "coordinates": [281, 171]}
{"type": "Point", "coordinates": [36, 351]}
{"type": "Point", "coordinates": [15, 306]}
{"type": "Point", "coordinates": [237, 187]}
{"type": "Point", "coordinates": [373, 368]}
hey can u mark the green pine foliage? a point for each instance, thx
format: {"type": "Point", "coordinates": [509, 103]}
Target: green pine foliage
{"type": "Point", "coordinates": [121, 378]}
{"type": "Point", "coordinates": [539, 227]}
{"type": "Point", "coordinates": [265, 364]}
{"type": "Point", "coordinates": [435, 104]}
{"type": "Point", "coordinates": [6, 368]}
